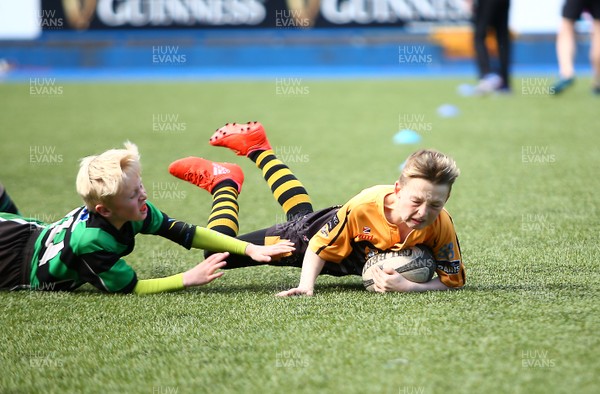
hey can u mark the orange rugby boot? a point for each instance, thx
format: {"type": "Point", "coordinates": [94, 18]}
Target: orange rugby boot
{"type": "Point", "coordinates": [243, 139]}
{"type": "Point", "coordinates": [205, 173]}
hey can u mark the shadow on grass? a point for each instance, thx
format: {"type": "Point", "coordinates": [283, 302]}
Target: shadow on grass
{"type": "Point", "coordinates": [533, 287]}
{"type": "Point", "coordinates": [222, 289]}
{"type": "Point", "coordinates": [527, 286]}
{"type": "Point", "coordinates": [349, 288]}
{"type": "Point", "coordinates": [270, 289]}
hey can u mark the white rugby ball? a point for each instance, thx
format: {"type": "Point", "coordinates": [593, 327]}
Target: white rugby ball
{"type": "Point", "coordinates": [415, 263]}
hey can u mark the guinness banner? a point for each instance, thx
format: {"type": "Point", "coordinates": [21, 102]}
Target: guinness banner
{"type": "Point", "coordinates": [162, 14]}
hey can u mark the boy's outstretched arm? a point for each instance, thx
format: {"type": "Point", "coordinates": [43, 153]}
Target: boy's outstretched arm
{"type": "Point", "coordinates": [192, 236]}
{"type": "Point", "coordinates": [388, 280]}
{"type": "Point", "coordinates": [201, 274]}
{"type": "Point", "coordinates": [207, 239]}
{"type": "Point", "coordinates": [311, 268]}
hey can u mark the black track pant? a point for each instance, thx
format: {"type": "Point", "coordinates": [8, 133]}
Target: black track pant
{"type": "Point", "coordinates": [492, 13]}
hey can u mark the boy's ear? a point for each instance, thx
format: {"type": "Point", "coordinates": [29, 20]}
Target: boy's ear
{"type": "Point", "coordinates": [103, 210]}
{"type": "Point", "coordinates": [397, 187]}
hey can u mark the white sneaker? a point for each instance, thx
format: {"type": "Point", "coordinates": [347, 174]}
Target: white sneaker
{"type": "Point", "coordinates": [488, 84]}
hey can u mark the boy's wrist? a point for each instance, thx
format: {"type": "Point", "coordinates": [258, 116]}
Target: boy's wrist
{"type": "Point", "coordinates": [410, 286]}
{"type": "Point", "coordinates": [185, 279]}
{"type": "Point", "coordinates": [304, 284]}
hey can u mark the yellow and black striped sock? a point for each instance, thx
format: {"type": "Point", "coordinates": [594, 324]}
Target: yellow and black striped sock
{"type": "Point", "coordinates": [224, 213]}
{"type": "Point", "coordinates": [286, 188]}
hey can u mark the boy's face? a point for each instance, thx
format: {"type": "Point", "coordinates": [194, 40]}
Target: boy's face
{"type": "Point", "coordinates": [420, 202]}
{"type": "Point", "coordinates": [127, 205]}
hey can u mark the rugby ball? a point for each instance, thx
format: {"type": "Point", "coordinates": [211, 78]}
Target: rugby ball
{"type": "Point", "coordinates": [415, 264]}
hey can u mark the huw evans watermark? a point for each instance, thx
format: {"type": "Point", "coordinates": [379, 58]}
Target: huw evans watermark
{"type": "Point", "coordinates": [536, 359]}
{"type": "Point", "coordinates": [290, 19]}
{"type": "Point", "coordinates": [414, 54]}
{"type": "Point", "coordinates": [165, 257]}
{"type": "Point", "coordinates": [414, 326]}
{"type": "Point", "coordinates": [290, 359]}
{"type": "Point", "coordinates": [414, 121]}
{"type": "Point", "coordinates": [537, 222]}
{"type": "Point", "coordinates": [536, 87]}
{"type": "Point", "coordinates": [291, 154]}
{"type": "Point", "coordinates": [168, 55]}
{"type": "Point", "coordinates": [167, 191]}
{"type": "Point", "coordinates": [168, 123]}
{"type": "Point", "coordinates": [165, 389]}
{"type": "Point", "coordinates": [44, 154]}
{"type": "Point", "coordinates": [293, 87]}
{"type": "Point", "coordinates": [44, 360]}
{"type": "Point", "coordinates": [45, 87]}
{"type": "Point", "coordinates": [532, 154]}
{"type": "Point", "coordinates": [48, 20]}
{"type": "Point", "coordinates": [294, 226]}
{"type": "Point", "coordinates": [412, 390]}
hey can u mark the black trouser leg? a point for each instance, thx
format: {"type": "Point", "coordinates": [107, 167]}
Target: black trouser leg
{"type": "Point", "coordinates": [503, 39]}
{"type": "Point", "coordinates": [483, 13]}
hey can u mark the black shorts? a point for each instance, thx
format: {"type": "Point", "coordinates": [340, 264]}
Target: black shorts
{"type": "Point", "coordinates": [299, 231]}
{"type": "Point", "coordinates": [573, 9]}
{"type": "Point", "coordinates": [17, 239]}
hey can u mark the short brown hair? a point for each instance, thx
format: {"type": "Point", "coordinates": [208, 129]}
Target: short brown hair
{"type": "Point", "coordinates": [431, 165]}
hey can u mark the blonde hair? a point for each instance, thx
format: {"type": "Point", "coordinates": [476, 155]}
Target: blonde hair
{"type": "Point", "coordinates": [432, 166]}
{"type": "Point", "coordinates": [103, 176]}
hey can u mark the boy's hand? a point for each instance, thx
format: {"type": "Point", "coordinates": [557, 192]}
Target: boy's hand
{"type": "Point", "coordinates": [296, 291]}
{"type": "Point", "coordinates": [205, 272]}
{"type": "Point", "coordinates": [312, 265]}
{"type": "Point", "coordinates": [386, 280]}
{"type": "Point", "coordinates": [265, 253]}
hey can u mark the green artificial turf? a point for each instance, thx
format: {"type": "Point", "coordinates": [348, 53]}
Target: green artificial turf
{"type": "Point", "coordinates": [525, 207]}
